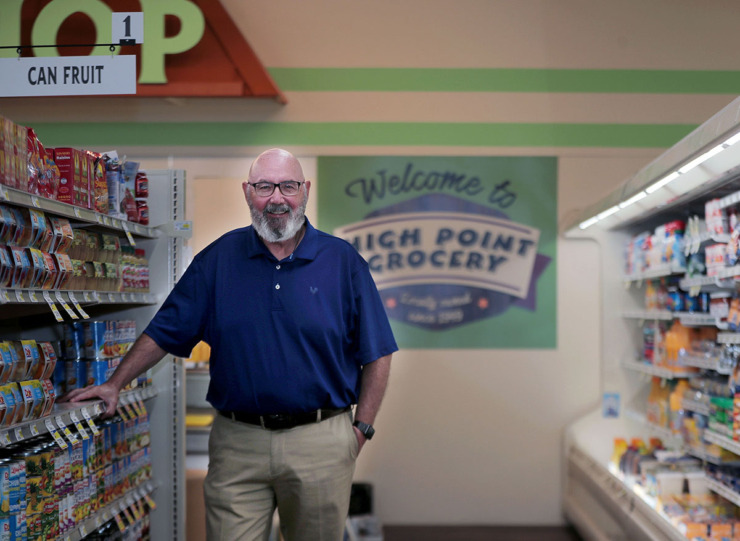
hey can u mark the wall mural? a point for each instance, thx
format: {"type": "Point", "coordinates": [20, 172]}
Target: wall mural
{"type": "Point", "coordinates": [462, 249]}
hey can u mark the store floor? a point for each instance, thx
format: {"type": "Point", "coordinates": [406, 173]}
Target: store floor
{"type": "Point", "coordinates": [479, 533]}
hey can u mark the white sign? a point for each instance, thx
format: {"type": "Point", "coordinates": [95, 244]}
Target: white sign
{"type": "Point", "coordinates": [68, 75]}
{"type": "Point", "coordinates": [128, 26]}
{"type": "Point", "coordinates": [446, 248]}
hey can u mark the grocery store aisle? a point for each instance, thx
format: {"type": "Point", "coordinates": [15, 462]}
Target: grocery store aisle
{"type": "Point", "coordinates": [479, 533]}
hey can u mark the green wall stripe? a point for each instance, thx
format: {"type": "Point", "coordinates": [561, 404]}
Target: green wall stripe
{"type": "Point", "coordinates": [506, 80]}
{"type": "Point", "coordinates": [360, 133]}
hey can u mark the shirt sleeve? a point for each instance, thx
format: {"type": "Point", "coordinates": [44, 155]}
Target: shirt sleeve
{"type": "Point", "coordinates": [179, 324]}
{"type": "Point", "coordinates": [374, 334]}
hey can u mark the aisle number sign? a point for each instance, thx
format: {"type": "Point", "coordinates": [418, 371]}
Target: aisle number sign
{"type": "Point", "coordinates": [155, 43]}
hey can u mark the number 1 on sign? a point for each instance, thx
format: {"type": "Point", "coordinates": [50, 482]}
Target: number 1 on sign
{"type": "Point", "coordinates": [127, 26]}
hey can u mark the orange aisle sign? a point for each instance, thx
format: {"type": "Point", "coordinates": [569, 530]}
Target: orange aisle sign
{"type": "Point", "coordinates": [190, 48]}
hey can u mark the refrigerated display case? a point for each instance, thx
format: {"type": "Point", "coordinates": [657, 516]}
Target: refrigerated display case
{"type": "Point", "coordinates": [704, 166]}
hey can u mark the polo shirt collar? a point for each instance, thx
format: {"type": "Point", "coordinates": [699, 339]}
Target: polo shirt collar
{"type": "Point", "coordinates": [306, 248]}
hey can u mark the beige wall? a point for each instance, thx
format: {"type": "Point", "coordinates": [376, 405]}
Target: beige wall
{"type": "Point", "coordinates": [464, 436]}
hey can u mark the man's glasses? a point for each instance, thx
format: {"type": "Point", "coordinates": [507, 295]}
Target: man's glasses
{"type": "Point", "coordinates": [264, 188]}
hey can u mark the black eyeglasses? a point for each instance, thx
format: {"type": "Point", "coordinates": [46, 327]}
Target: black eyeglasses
{"type": "Point", "coordinates": [265, 188]}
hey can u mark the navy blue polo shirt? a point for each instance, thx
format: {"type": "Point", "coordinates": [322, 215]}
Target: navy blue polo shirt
{"type": "Point", "coordinates": [286, 336]}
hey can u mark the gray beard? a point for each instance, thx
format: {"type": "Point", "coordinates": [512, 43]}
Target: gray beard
{"type": "Point", "coordinates": [276, 230]}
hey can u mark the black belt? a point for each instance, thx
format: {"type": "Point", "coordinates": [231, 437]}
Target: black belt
{"type": "Point", "coordinates": [283, 421]}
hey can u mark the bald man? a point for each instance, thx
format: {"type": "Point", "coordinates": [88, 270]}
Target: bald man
{"type": "Point", "coordinates": [298, 336]}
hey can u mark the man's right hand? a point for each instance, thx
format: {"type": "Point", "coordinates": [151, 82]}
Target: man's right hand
{"type": "Point", "coordinates": [106, 392]}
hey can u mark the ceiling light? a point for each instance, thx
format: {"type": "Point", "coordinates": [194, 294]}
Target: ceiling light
{"type": "Point", "coordinates": [701, 159]}
{"type": "Point", "coordinates": [607, 212]}
{"type": "Point", "coordinates": [732, 140]}
{"type": "Point", "coordinates": [634, 199]}
{"type": "Point", "coordinates": [588, 223]}
{"type": "Point", "coordinates": [662, 182]}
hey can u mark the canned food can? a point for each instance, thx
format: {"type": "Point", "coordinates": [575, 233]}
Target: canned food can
{"type": "Point", "coordinates": [74, 341]}
{"type": "Point", "coordinates": [95, 334]}
{"type": "Point", "coordinates": [76, 374]}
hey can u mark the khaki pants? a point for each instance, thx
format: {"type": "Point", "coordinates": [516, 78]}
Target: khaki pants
{"type": "Point", "coordinates": [305, 471]}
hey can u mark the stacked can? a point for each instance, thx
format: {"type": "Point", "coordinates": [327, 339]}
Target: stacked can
{"type": "Point", "coordinates": [92, 352]}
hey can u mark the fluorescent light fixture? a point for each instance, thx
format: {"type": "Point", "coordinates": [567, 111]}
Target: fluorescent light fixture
{"type": "Point", "coordinates": [662, 182]}
{"type": "Point", "coordinates": [701, 159]}
{"type": "Point", "coordinates": [588, 223]}
{"type": "Point", "coordinates": [634, 199]}
{"type": "Point", "coordinates": [607, 212]}
{"type": "Point", "coordinates": [732, 140]}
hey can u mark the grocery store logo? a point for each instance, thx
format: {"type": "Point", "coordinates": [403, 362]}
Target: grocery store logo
{"type": "Point", "coordinates": [440, 262]}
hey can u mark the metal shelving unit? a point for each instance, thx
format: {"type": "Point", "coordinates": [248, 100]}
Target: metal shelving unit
{"type": "Point", "coordinates": [27, 314]}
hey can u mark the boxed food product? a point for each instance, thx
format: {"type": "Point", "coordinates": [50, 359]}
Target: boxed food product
{"type": "Point", "coordinates": [64, 268]}
{"type": "Point", "coordinates": [21, 266]}
{"type": "Point", "coordinates": [6, 267]}
{"type": "Point", "coordinates": [7, 360]}
{"type": "Point", "coordinates": [49, 396]}
{"type": "Point", "coordinates": [47, 361]}
{"type": "Point", "coordinates": [63, 235]}
{"type": "Point", "coordinates": [51, 271]}
{"type": "Point", "coordinates": [84, 179]}
{"type": "Point", "coordinates": [8, 225]}
{"type": "Point", "coordinates": [64, 159]}
{"type": "Point", "coordinates": [99, 185]}
{"type": "Point", "coordinates": [33, 398]}
{"type": "Point", "coordinates": [12, 407]}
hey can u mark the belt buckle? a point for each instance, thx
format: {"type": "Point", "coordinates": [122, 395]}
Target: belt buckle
{"type": "Point", "coordinates": [275, 421]}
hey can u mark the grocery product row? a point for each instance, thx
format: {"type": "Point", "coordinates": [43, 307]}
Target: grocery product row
{"type": "Point", "coordinates": [50, 486]}
{"type": "Point", "coordinates": [46, 252]}
{"type": "Point", "coordinates": [100, 182]}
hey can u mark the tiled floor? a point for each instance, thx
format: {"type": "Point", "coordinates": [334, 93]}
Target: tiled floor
{"type": "Point", "coordinates": [479, 533]}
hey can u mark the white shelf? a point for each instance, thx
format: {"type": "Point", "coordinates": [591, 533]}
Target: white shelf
{"type": "Point", "coordinates": [632, 510]}
{"type": "Point", "coordinates": [708, 283]}
{"type": "Point", "coordinates": [659, 315]}
{"type": "Point", "coordinates": [696, 319]}
{"type": "Point", "coordinates": [695, 406]}
{"type": "Point", "coordinates": [84, 297]}
{"type": "Point", "coordinates": [723, 441]}
{"type": "Point", "coordinates": [666, 434]}
{"type": "Point", "coordinates": [24, 199]}
{"type": "Point", "coordinates": [108, 512]}
{"type": "Point", "coordinates": [728, 338]}
{"type": "Point", "coordinates": [724, 491]}
{"type": "Point", "coordinates": [659, 371]}
{"type": "Point", "coordinates": [668, 269]}
{"type": "Point", "coordinates": [64, 411]}
{"type": "Point", "coordinates": [707, 363]}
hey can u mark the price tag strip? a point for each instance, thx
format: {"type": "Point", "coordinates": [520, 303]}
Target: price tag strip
{"type": "Point", "coordinates": [150, 502]}
{"type": "Point", "coordinates": [119, 520]}
{"type": "Point", "coordinates": [129, 236]}
{"type": "Point", "coordinates": [67, 432]}
{"type": "Point", "coordinates": [66, 306]}
{"type": "Point", "coordinates": [18, 434]}
{"type": "Point", "coordinates": [126, 513]}
{"type": "Point", "coordinates": [19, 296]}
{"type": "Point", "coordinates": [81, 429]}
{"type": "Point", "coordinates": [54, 434]}
{"type": "Point", "coordinates": [76, 304]}
{"type": "Point", "coordinates": [90, 423]}
{"type": "Point", "coordinates": [6, 439]}
{"type": "Point", "coordinates": [130, 411]}
{"type": "Point", "coordinates": [53, 307]}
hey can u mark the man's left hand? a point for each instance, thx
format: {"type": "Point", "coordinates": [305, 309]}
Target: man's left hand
{"type": "Point", "coordinates": [361, 439]}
